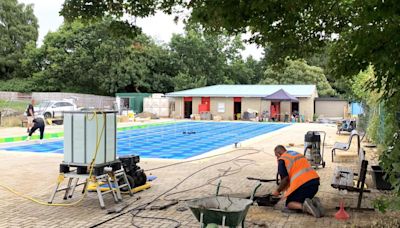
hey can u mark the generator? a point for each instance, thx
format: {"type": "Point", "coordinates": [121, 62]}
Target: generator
{"type": "Point", "coordinates": [313, 150]}
{"type": "Point", "coordinates": [134, 173]}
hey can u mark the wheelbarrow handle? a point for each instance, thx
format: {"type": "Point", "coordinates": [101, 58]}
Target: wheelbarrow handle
{"type": "Point", "coordinates": [258, 184]}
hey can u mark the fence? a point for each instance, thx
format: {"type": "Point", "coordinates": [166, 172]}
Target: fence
{"type": "Point", "coordinates": [82, 100]}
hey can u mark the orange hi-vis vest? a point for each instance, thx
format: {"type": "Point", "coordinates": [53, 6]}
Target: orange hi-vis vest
{"type": "Point", "coordinates": [299, 170]}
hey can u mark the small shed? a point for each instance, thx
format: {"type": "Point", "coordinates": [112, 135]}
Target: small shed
{"type": "Point", "coordinates": [131, 101]}
{"type": "Point", "coordinates": [331, 107]}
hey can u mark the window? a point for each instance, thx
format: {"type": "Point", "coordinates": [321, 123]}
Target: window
{"type": "Point", "coordinates": [66, 104]}
{"type": "Point", "coordinates": [58, 104]}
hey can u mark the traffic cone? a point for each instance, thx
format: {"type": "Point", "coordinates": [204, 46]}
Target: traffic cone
{"type": "Point", "coordinates": [342, 214]}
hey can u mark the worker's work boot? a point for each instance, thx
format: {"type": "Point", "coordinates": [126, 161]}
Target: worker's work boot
{"type": "Point", "coordinates": [318, 205]}
{"type": "Point", "coordinates": [309, 208]}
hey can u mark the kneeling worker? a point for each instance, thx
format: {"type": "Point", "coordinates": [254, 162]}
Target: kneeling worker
{"type": "Point", "coordinates": [299, 181]}
{"type": "Point", "coordinates": [38, 123]}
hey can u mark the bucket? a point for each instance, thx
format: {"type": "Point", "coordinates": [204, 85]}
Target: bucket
{"type": "Point", "coordinates": [378, 178]}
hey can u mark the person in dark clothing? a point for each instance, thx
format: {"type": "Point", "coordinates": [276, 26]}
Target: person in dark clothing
{"type": "Point", "coordinates": [30, 114]}
{"type": "Point", "coordinates": [38, 123]}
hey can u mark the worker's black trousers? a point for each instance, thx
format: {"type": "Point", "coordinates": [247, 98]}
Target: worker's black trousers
{"type": "Point", "coordinates": [35, 127]}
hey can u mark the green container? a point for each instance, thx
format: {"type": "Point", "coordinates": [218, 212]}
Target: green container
{"type": "Point", "coordinates": [135, 100]}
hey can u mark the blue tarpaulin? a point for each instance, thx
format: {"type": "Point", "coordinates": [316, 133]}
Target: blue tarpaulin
{"type": "Point", "coordinates": [356, 108]}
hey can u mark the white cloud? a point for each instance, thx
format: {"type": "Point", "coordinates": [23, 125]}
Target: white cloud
{"type": "Point", "coordinates": [47, 12]}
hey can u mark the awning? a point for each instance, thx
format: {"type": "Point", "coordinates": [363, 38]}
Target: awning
{"type": "Point", "coordinates": [281, 95]}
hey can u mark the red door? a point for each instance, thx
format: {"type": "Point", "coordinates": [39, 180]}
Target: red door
{"type": "Point", "coordinates": [206, 101]}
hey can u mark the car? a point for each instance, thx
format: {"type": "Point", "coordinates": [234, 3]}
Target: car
{"type": "Point", "coordinates": [53, 109]}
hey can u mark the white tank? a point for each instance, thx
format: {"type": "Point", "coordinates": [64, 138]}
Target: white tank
{"type": "Point", "coordinates": [80, 137]}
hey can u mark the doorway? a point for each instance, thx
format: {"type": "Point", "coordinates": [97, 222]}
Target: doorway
{"type": "Point", "coordinates": [275, 111]}
{"type": "Point", "coordinates": [237, 108]}
{"type": "Point", "coordinates": [187, 107]}
{"type": "Point", "coordinates": [295, 107]}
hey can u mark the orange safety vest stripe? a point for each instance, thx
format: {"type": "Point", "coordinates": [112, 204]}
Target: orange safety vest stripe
{"type": "Point", "coordinates": [299, 170]}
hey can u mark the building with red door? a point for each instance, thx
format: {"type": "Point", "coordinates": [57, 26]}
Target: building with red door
{"type": "Point", "coordinates": [232, 101]}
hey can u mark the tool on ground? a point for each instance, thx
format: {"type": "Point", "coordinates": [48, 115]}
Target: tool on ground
{"type": "Point", "coordinates": [165, 206]}
{"type": "Point", "coordinates": [267, 200]}
{"type": "Point", "coordinates": [221, 210]}
{"type": "Point", "coordinates": [313, 150]}
{"type": "Point", "coordinates": [260, 179]}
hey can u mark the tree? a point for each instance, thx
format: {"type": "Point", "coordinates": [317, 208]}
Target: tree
{"type": "Point", "coordinates": [298, 72]}
{"type": "Point", "coordinates": [204, 59]}
{"type": "Point", "coordinates": [18, 28]}
{"type": "Point", "coordinates": [363, 32]}
{"type": "Point", "coordinates": [88, 59]}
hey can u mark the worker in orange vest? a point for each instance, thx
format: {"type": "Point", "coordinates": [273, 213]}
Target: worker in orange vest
{"type": "Point", "coordinates": [299, 181]}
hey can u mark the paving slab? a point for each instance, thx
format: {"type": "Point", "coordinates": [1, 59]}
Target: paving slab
{"type": "Point", "coordinates": [35, 175]}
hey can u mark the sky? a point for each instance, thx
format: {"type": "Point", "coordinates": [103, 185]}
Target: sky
{"type": "Point", "coordinates": [160, 26]}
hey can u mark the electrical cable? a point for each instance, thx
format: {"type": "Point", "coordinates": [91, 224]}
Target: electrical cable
{"type": "Point", "coordinates": [143, 206]}
{"type": "Point", "coordinates": [98, 141]}
{"type": "Point", "coordinates": [178, 224]}
{"type": "Point", "coordinates": [226, 173]}
{"type": "Point", "coordinates": [198, 159]}
{"type": "Point", "coordinates": [212, 179]}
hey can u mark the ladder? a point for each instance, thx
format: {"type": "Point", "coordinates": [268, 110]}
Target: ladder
{"type": "Point", "coordinates": [111, 180]}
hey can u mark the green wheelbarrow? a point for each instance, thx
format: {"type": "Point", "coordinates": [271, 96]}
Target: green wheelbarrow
{"type": "Point", "coordinates": [221, 210]}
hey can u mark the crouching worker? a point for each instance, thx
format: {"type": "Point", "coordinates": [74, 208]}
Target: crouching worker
{"type": "Point", "coordinates": [299, 181]}
{"type": "Point", "coordinates": [38, 123]}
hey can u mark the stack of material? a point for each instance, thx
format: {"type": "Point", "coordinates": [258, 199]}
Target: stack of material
{"type": "Point", "coordinates": [217, 118]}
{"type": "Point", "coordinates": [195, 117]}
{"type": "Point", "coordinates": [157, 104]}
{"type": "Point", "coordinates": [205, 116]}
{"type": "Point", "coordinates": [123, 119]}
{"type": "Point", "coordinates": [147, 115]}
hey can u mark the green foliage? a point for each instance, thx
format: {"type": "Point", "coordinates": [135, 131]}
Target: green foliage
{"type": "Point", "coordinates": [359, 32]}
{"type": "Point", "coordinates": [387, 203]}
{"type": "Point", "coordinates": [390, 130]}
{"type": "Point", "coordinates": [185, 81]}
{"type": "Point", "coordinates": [370, 99]}
{"type": "Point", "coordinates": [18, 27]}
{"type": "Point", "coordinates": [94, 61]}
{"type": "Point", "coordinates": [383, 127]}
{"type": "Point", "coordinates": [298, 72]}
{"type": "Point", "coordinates": [16, 84]}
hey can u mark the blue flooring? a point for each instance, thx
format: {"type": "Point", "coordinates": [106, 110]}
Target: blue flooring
{"type": "Point", "coordinates": [170, 141]}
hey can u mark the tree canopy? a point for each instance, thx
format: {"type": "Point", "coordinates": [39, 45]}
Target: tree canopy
{"type": "Point", "coordinates": [299, 72]}
{"type": "Point", "coordinates": [364, 31]}
{"type": "Point", "coordinates": [18, 27]}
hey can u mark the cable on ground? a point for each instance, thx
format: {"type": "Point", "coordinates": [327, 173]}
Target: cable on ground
{"type": "Point", "coordinates": [59, 179]}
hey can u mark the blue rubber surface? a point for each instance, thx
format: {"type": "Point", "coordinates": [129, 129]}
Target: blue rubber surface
{"type": "Point", "coordinates": [174, 141]}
